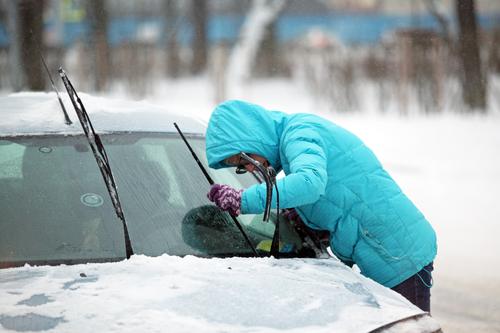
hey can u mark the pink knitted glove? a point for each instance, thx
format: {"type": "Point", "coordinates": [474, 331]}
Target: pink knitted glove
{"type": "Point", "coordinates": [226, 198]}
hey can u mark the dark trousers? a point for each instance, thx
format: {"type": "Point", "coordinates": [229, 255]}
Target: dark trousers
{"type": "Point", "coordinates": [417, 289]}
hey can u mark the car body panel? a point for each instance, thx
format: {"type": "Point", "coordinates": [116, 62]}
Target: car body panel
{"type": "Point", "coordinates": [173, 293]}
{"type": "Point", "coordinates": [188, 294]}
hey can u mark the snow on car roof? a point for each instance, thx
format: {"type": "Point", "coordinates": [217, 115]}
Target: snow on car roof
{"type": "Point", "coordinates": [38, 113]}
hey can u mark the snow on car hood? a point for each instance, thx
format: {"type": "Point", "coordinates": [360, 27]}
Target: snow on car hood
{"type": "Point", "coordinates": [174, 294]}
{"type": "Point", "coordinates": [37, 113]}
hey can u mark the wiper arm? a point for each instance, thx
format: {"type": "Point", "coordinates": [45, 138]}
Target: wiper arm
{"type": "Point", "coordinates": [269, 175]}
{"type": "Point", "coordinates": [266, 174]}
{"type": "Point", "coordinates": [100, 155]}
{"type": "Point", "coordinates": [66, 118]}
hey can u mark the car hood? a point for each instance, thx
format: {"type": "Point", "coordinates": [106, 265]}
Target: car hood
{"type": "Point", "coordinates": [174, 294]}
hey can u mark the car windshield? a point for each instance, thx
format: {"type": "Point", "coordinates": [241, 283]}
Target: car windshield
{"type": "Point", "coordinates": [56, 208]}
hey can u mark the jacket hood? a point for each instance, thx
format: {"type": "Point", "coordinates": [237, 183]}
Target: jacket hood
{"type": "Point", "coordinates": [238, 126]}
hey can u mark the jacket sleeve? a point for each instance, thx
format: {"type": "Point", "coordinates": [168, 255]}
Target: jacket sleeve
{"type": "Point", "coordinates": [304, 152]}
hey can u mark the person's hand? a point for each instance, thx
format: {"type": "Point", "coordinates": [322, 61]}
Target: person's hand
{"type": "Point", "coordinates": [226, 198]}
{"type": "Point", "coordinates": [292, 215]}
{"type": "Point", "coordinates": [323, 236]}
{"type": "Point", "coordinates": [294, 218]}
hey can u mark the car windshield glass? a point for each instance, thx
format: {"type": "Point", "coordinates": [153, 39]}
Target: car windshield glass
{"type": "Point", "coordinates": [54, 203]}
{"type": "Point", "coordinates": [55, 206]}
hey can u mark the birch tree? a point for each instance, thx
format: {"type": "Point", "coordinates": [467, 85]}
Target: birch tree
{"type": "Point", "coordinates": [262, 14]}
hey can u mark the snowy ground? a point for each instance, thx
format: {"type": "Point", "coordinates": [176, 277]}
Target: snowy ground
{"type": "Point", "coordinates": [448, 164]}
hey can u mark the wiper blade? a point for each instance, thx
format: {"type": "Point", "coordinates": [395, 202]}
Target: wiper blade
{"type": "Point", "coordinates": [100, 155]}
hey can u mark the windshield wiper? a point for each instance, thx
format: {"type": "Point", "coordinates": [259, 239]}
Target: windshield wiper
{"type": "Point", "coordinates": [66, 118]}
{"type": "Point", "coordinates": [269, 175]}
{"type": "Point", "coordinates": [100, 155]}
{"type": "Point", "coordinates": [211, 182]}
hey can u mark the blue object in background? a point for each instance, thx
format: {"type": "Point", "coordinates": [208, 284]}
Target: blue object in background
{"type": "Point", "coordinates": [350, 28]}
{"type": "Point", "coordinates": [4, 38]}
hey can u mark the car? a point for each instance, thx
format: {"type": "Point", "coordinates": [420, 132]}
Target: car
{"type": "Point", "coordinates": [113, 231]}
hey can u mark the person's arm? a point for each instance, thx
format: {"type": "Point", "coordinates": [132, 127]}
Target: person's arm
{"type": "Point", "coordinates": [306, 182]}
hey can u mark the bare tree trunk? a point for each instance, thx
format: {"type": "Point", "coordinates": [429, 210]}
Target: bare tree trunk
{"type": "Point", "coordinates": [268, 64]}
{"type": "Point", "coordinates": [473, 79]}
{"type": "Point", "coordinates": [494, 52]}
{"type": "Point", "coordinates": [16, 74]}
{"type": "Point", "coordinates": [440, 17]}
{"type": "Point", "coordinates": [172, 47]}
{"type": "Point", "coordinates": [199, 19]}
{"type": "Point", "coordinates": [219, 58]}
{"type": "Point", "coordinates": [98, 17]}
{"type": "Point", "coordinates": [30, 27]}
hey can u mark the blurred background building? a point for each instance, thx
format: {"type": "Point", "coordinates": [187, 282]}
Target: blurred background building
{"type": "Point", "coordinates": [436, 54]}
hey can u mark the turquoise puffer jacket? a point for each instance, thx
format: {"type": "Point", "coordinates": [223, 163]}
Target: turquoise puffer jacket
{"type": "Point", "coordinates": [333, 181]}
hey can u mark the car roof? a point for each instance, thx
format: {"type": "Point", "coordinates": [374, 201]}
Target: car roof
{"type": "Point", "coordinates": [40, 113]}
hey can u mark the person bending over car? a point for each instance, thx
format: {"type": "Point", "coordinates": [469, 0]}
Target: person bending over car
{"type": "Point", "coordinates": [335, 183]}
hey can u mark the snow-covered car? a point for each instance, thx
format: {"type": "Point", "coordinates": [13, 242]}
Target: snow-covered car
{"type": "Point", "coordinates": [182, 265]}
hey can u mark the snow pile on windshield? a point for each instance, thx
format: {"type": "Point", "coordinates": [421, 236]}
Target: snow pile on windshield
{"type": "Point", "coordinates": [173, 294]}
